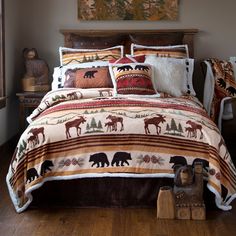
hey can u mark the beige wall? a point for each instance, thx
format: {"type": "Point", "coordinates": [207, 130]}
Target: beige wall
{"type": "Point", "coordinates": [38, 25]}
{"type": "Point", "coordinates": [9, 114]}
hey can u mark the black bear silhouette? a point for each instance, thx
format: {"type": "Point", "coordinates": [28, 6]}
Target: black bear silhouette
{"type": "Point", "coordinates": [142, 67]}
{"type": "Point", "coordinates": [99, 158]}
{"type": "Point", "coordinates": [178, 160]}
{"type": "Point", "coordinates": [120, 158]}
{"type": "Point", "coordinates": [221, 83]}
{"type": "Point", "coordinates": [90, 74]}
{"type": "Point", "coordinates": [124, 68]}
{"type": "Point", "coordinates": [31, 174]}
{"type": "Point", "coordinates": [231, 90]}
{"type": "Point", "coordinates": [46, 165]}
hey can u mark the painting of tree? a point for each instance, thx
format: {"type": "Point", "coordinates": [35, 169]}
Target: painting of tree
{"type": "Point", "coordinates": [128, 10]}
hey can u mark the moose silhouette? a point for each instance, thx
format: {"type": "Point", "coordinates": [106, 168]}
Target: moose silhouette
{"type": "Point", "coordinates": [154, 121]}
{"type": "Point", "coordinates": [35, 132]}
{"type": "Point", "coordinates": [195, 127]}
{"type": "Point", "coordinates": [75, 123]}
{"type": "Point", "coordinates": [114, 121]}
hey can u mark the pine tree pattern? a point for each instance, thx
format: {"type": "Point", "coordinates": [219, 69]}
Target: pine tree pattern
{"type": "Point", "coordinates": [173, 129]}
{"type": "Point", "coordinates": [94, 126]}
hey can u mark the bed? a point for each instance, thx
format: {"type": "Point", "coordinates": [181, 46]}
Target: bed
{"type": "Point", "coordinates": [117, 145]}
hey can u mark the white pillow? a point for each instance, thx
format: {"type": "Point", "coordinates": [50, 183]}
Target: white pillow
{"type": "Point", "coordinates": [60, 73]}
{"type": "Point", "coordinates": [56, 82]}
{"type": "Point", "coordinates": [173, 76]}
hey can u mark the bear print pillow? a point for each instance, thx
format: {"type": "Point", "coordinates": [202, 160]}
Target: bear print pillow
{"type": "Point", "coordinates": [89, 78]}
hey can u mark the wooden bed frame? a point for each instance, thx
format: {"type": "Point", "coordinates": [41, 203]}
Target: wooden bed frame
{"type": "Point", "coordinates": [117, 191]}
{"type": "Point", "coordinates": [109, 38]}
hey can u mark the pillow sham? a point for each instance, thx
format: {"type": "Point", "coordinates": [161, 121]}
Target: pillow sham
{"type": "Point", "coordinates": [89, 78]}
{"type": "Point", "coordinates": [132, 78]}
{"type": "Point", "coordinates": [176, 51]}
{"type": "Point", "coordinates": [61, 73]}
{"type": "Point", "coordinates": [76, 56]}
{"type": "Point", "coordinates": [172, 76]}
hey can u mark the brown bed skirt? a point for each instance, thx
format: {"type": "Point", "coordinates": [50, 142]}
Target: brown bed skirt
{"type": "Point", "coordinates": [105, 192]}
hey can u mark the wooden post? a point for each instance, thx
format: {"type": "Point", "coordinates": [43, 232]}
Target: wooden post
{"type": "Point", "coordinates": [165, 203]}
{"type": "Point", "coordinates": [198, 212]}
{"type": "Point", "coordinates": [183, 212]}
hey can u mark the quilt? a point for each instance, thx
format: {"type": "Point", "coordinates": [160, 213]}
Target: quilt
{"type": "Point", "coordinates": [82, 133]}
{"type": "Point", "coordinates": [224, 85]}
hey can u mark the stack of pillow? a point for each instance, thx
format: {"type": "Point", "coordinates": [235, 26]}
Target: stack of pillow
{"type": "Point", "coordinates": [85, 68]}
{"type": "Point", "coordinates": [148, 71]}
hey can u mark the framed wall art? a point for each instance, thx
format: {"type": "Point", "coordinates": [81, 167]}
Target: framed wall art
{"type": "Point", "coordinates": [152, 10]}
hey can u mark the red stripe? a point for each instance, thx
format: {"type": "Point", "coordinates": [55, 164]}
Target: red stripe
{"type": "Point", "coordinates": [122, 103]}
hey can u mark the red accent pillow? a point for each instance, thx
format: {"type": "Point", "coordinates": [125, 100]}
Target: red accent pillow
{"type": "Point", "coordinates": [135, 78]}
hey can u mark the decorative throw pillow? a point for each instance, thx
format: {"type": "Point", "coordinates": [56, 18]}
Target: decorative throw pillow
{"type": "Point", "coordinates": [89, 78]}
{"type": "Point", "coordinates": [176, 51]}
{"type": "Point", "coordinates": [76, 56]}
{"type": "Point", "coordinates": [225, 84]}
{"type": "Point", "coordinates": [133, 78]}
{"type": "Point", "coordinates": [172, 76]}
{"type": "Point", "coordinates": [62, 73]}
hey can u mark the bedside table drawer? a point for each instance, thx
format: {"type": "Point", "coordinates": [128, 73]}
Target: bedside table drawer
{"type": "Point", "coordinates": [28, 101]}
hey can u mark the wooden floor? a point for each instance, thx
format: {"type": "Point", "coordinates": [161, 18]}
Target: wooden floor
{"type": "Point", "coordinates": [123, 222]}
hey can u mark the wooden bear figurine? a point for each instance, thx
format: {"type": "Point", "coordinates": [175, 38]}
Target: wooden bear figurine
{"type": "Point", "coordinates": [186, 199]}
{"type": "Point", "coordinates": [36, 76]}
{"type": "Point", "coordinates": [188, 192]}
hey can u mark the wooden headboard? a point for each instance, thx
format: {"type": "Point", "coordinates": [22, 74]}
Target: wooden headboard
{"type": "Point", "coordinates": [109, 38]}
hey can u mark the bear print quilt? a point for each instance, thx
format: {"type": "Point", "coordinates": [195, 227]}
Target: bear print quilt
{"type": "Point", "coordinates": [80, 133]}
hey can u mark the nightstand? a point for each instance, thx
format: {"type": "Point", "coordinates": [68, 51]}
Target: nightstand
{"type": "Point", "coordinates": [28, 101]}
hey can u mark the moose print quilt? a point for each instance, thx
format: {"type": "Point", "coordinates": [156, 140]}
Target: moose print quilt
{"type": "Point", "coordinates": [76, 133]}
